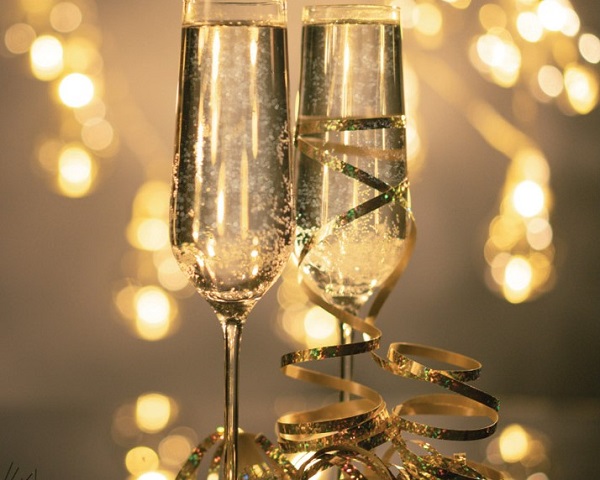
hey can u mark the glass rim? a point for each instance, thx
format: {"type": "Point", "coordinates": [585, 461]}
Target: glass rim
{"type": "Point", "coordinates": [331, 12]}
{"type": "Point", "coordinates": [256, 12]}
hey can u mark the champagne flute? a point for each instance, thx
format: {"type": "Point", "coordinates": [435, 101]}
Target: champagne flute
{"type": "Point", "coordinates": [350, 147]}
{"type": "Point", "coordinates": [231, 205]}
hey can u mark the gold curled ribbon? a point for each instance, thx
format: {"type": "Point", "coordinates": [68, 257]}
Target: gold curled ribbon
{"type": "Point", "coordinates": [259, 457]}
{"type": "Point", "coordinates": [365, 422]}
{"type": "Point", "coordinates": [188, 470]}
{"type": "Point", "coordinates": [348, 459]}
{"type": "Point", "coordinates": [362, 421]}
{"type": "Point", "coordinates": [355, 462]}
{"type": "Point", "coordinates": [344, 435]}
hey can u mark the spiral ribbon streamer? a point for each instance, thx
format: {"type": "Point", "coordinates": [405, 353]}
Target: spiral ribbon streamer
{"type": "Point", "coordinates": [365, 422]}
{"type": "Point", "coordinates": [343, 435]}
{"type": "Point", "coordinates": [355, 462]}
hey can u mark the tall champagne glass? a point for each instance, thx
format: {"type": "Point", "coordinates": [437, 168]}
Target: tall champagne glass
{"type": "Point", "coordinates": [231, 205]}
{"type": "Point", "coordinates": [350, 140]}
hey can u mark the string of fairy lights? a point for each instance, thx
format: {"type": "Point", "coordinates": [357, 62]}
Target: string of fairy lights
{"type": "Point", "coordinates": [540, 50]}
{"type": "Point", "coordinates": [536, 49]}
{"type": "Point", "coordinates": [62, 41]}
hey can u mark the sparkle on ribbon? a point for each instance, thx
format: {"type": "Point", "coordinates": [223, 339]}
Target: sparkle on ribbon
{"type": "Point", "coordinates": [365, 422]}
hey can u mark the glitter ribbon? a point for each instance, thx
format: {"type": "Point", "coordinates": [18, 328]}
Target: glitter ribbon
{"type": "Point", "coordinates": [268, 461]}
{"type": "Point", "coordinates": [188, 471]}
{"type": "Point", "coordinates": [365, 422]}
{"type": "Point", "coordinates": [355, 462]}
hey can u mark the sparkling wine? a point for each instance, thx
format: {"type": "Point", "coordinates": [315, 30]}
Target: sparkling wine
{"type": "Point", "coordinates": [351, 71]}
{"type": "Point", "coordinates": [231, 219]}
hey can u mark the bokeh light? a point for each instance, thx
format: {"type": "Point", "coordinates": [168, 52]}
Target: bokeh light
{"type": "Point", "coordinates": [141, 459]}
{"type": "Point", "coordinates": [530, 163]}
{"type": "Point", "coordinates": [320, 325]}
{"type": "Point", "coordinates": [81, 55]}
{"type": "Point", "coordinates": [552, 15]}
{"type": "Point", "coordinates": [520, 453]}
{"type": "Point", "coordinates": [153, 476]}
{"type": "Point", "coordinates": [500, 58]}
{"type": "Point", "coordinates": [148, 229]}
{"type": "Point", "coordinates": [427, 19]}
{"type": "Point", "coordinates": [572, 23]}
{"type": "Point", "coordinates": [174, 449]}
{"type": "Point", "coordinates": [153, 412]}
{"type": "Point", "coordinates": [539, 234]}
{"type": "Point", "coordinates": [550, 80]}
{"type": "Point", "coordinates": [65, 17]}
{"type": "Point", "coordinates": [97, 134]}
{"type": "Point", "coordinates": [519, 251]}
{"type": "Point", "coordinates": [528, 198]}
{"type": "Point", "coordinates": [46, 57]}
{"type": "Point", "coordinates": [169, 273]}
{"type": "Point", "coordinates": [492, 16]}
{"type": "Point", "coordinates": [36, 6]}
{"type": "Point", "coordinates": [19, 37]}
{"type": "Point", "coordinates": [407, 12]}
{"type": "Point", "coordinates": [582, 88]}
{"type": "Point", "coordinates": [154, 313]}
{"type": "Point", "coordinates": [76, 172]}
{"type": "Point", "coordinates": [538, 476]}
{"type": "Point", "coordinates": [149, 233]}
{"type": "Point", "coordinates": [529, 27]}
{"type": "Point", "coordinates": [589, 47]}
{"type": "Point", "coordinates": [518, 276]}
{"type": "Point", "coordinates": [459, 4]}
{"type": "Point", "coordinates": [514, 443]}
{"type": "Point", "coordinates": [76, 90]}
{"type": "Point", "coordinates": [152, 200]}
{"type": "Point", "coordinates": [149, 311]}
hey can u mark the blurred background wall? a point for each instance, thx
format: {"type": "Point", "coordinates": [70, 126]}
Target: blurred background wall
{"type": "Point", "coordinates": [96, 323]}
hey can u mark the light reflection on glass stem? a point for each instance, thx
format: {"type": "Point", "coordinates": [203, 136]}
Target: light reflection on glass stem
{"type": "Point", "coordinates": [232, 330]}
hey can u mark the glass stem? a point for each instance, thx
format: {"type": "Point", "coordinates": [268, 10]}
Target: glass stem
{"type": "Point", "coordinates": [346, 362]}
{"type": "Point", "coordinates": [232, 330]}
{"type": "Point", "coordinates": [352, 306]}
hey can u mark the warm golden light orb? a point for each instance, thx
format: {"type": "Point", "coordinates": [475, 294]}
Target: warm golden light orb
{"type": "Point", "coordinates": [76, 90]}
{"type": "Point", "coordinates": [46, 57]}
